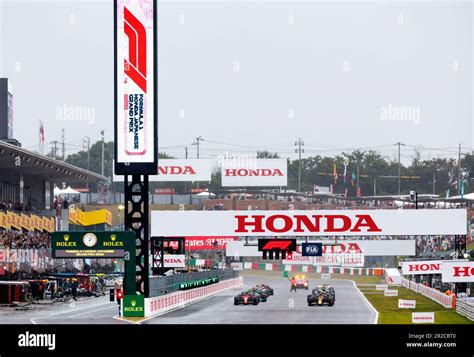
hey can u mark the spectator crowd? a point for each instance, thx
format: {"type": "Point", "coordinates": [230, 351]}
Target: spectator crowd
{"type": "Point", "coordinates": [8, 205]}
{"type": "Point", "coordinates": [24, 240]}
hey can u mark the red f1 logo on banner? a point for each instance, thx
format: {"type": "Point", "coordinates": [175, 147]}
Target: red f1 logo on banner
{"type": "Point", "coordinates": [275, 246]}
{"type": "Point", "coordinates": [135, 67]}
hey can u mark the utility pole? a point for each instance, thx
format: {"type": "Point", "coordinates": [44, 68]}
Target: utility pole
{"type": "Point", "coordinates": [54, 149]}
{"type": "Point", "coordinates": [299, 150]}
{"type": "Point", "coordinates": [198, 139]}
{"type": "Point", "coordinates": [399, 165]}
{"type": "Point", "coordinates": [186, 183]}
{"type": "Point", "coordinates": [357, 187]}
{"type": "Point", "coordinates": [87, 146]}
{"type": "Point", "coordinates": [63, 144]}
{"type": "Point", "coordinates": [434, 184]}
{"type": "Point", "coordinates": [103, 143]}
{"type": "Point", "coordinates": [375, 185]}
{"type": "Point", "coordinates": [459, 170]}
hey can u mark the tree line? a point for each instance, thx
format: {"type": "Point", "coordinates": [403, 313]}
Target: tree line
{"type": "Point", "coordinates": [372, 171]}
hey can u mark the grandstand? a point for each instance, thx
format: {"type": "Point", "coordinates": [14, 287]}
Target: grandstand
{"type": "Point", "coordinates": [27, 178]}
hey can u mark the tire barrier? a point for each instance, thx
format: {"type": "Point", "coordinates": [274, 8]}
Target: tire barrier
{"type": "Point", "coordinates": [161, 304]}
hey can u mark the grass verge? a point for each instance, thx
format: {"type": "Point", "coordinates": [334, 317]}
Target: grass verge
{"type": "Point", "coordinates": [389, 313]}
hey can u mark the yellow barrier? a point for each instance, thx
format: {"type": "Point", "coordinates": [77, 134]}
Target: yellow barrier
{"type": "Point", "coordinates": [79, 217]}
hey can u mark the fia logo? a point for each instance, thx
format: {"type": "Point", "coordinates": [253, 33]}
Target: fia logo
{"type": "Point", "coordinates": [312, 249]}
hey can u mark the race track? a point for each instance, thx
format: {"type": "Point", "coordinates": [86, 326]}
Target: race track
{"type": "Point", "coordinates": [281, 308]}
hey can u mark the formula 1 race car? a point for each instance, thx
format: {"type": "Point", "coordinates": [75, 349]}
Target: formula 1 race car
{"type": "Point", "coordinates": [265, 288]}
{"type": "Point", "coordinates": [247, 297]}
{"type": "Point", "coordinates": [322, 295]}
{"type": "Point", "coordinates": [262, 293]}
{"type": "Point", "coordinates": [301, 282]}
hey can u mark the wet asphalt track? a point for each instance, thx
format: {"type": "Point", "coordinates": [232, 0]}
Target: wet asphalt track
{"type": "Point", "coordinates": [281, 308]}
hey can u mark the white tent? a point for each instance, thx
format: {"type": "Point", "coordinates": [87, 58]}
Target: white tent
{"type": "Point", "coordinates": [66, 191]}
{"type": "Point", "coordinates": [205, 194]}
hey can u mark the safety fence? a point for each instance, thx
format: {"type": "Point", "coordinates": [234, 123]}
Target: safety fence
{"type": "Point", "coordinates": [465, 307]}
{"type": "Point", "coordinates": [448, 301]}
{"type": "Point", "coordinates": [158, 305]}
{"type": "Point", "coordinates": [313, 269]}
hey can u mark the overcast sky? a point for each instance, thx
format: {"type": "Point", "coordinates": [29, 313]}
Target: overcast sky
{"type": "Point", "coordinates": [254, 73]}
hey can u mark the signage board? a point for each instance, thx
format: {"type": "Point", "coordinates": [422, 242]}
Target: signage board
{"type": "Point", "coordinates": [135, 95]}
{"type": "Point", "coordinates": [133, 306]}
{"type": "Point", "coordinates": [179, 170]}
{"type": "Point", "coordinates": [90, 244]}
{"type": "Point", "coordinates": [422, 317]}
{"type": "Point", "coordinates": [309, 223]}
{"type": "Point", "coordinates": [406, 304]}
{"type": "Point", "coordinates": [258, 172]}
{"type": "Point", "coordinates": [421, 267]}
{"type": "Point", "coordinates": [174, 260]}
{"type": "Point", "coordinates": [312, 249]}
{"type": "Point", "coordinates": [388, 292]}
{"type": "Point", "coordinates": [457, 271]}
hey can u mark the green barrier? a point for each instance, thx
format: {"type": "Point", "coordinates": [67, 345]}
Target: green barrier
{"type": "Point", "coordinates": [198, 283]}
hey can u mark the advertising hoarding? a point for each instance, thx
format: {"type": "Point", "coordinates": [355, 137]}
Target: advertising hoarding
{"type": "Point", "coordinates": [179, 170]}
{"type": "Point", "coordinates": [257, 173]}
{"type": "Point", "coordinates": [457, 271]}
{"type": "Point", "coordinates": [309, 223]}
{"type": "Point", "coordinates": [421, 267]}
{"type": "Point", "coordinates": [365, 247]}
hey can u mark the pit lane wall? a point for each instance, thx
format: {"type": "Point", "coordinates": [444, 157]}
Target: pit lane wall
{"type": "Point", "coordinates": [447, 301]}
{"type": "Point", "coordinates": [313, 269]}
{"type": "Point", "coordinates": [158, 305]}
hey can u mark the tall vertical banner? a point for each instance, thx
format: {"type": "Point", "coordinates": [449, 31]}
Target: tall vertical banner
{"type": "Point", "coordinates": [136, 99]}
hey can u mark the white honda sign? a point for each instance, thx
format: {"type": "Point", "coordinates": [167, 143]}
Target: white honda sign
{"type": "Point", "coordinates": [457, 271]}
{"type": "Point", "coordinates": [178, 170]}
{"type": "Point", "coordinates": [388, 292]}
{"type": "Point", "coordinates": [259, 172]}
{"type": "Point", "coordinates": [406, 304]}
{"type": "Point", "coordinates": [422, 267]}
{"type": "Point", "coordinates": [309, 223]}
{"type": "Point", "coordinates": [174, 260]}
{"type": "Point", "coordinates": [422, 317]}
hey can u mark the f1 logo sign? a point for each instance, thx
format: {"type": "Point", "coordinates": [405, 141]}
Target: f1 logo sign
{"type": "Point", "coordinates": [135, 67]}
{"type": "Point", "coordinates": [312, 249]}
{"type": "Point", "coordinates": [276, 245]}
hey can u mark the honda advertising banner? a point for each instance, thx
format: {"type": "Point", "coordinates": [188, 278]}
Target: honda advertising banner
{"type": "Point", "coordinates": [257, 172]}
{"type": "Point", "coordinates": [422, 267]}
{"type": "Point", "coordinates": [207, 243]}
{"type": "Point", "coordinates": [136, 111]}
{"type": "Point", "coordinates": [174, 260]}
{"type": "Point", "coordinates": [458, 271]}
{"type": "Point", "coordinates": [422, 317]}
{"type": "Point", "coordinates": [359, 247]}
{"type": "Point", "coordinates": [390, 293]}
{"type": "Point", "coordinates": [179, 170]}
{"type": "Point", "coordinates": [406, 304]}
{"type": "Point", "coordinates": [309, 223]}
